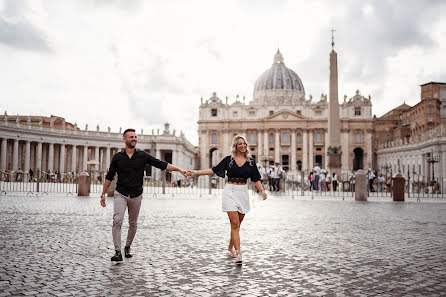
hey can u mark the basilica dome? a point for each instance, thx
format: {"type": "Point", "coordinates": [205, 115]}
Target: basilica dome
{"type": "Point", "coordinates": [279, 77]}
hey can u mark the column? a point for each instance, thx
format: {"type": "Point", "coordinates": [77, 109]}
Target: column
{"type": "Point", "coordinates": [265, 144]}
{"type": "Point", "coordinates": [62, 158]}
{"type": "Point", "coordinates": [107, 158]}
{"type": "Point", "coordinates": [259, 146]}
{"type": "Point", "coordinates": [204, 149]}
{"type": "Point", "coordinates": [305, 149]}
{"type": "Point", "coordinates": [73, 159]}
{"type": "Point", "coordinates": [226, 143]}
{"type": "Point", "coordinates": [85, 158]}
{"type": "Point", "coordinates": [310, 149]}
{"type": "Point", "coordinates": [155, 170]}
{"type": "Point", "coordinates": [27, 156]}
{"type": "Point", "coordinates": [15, 155]}
{"type": "Point", "coordinates": [97, 159]}
{"type": "Point", "coordinates": [39, 158]}
{"type": "Point", "coordinates": [3, 156]}
{"type": "Point", "coordinates": [277, 147]}
{"type": "Point", "coordinates": [293, 150]}
{"type": "Point", "coordinates": [50, 156]}
{"type": "Point", "coordinates": [368, 144]}
{"type": "Point", "coordinates": [345, 150]}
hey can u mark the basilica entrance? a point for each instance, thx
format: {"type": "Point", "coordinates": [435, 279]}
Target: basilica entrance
{"type": "Point", "coordinates": [358, 159]}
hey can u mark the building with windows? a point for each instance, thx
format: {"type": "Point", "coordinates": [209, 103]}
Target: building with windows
{"type": "Point", "coordinates": [283, 125]}
{"type": "Point", "coordinates": [51, 144]}
{"type": "Point", "coordinates": [412, 140]}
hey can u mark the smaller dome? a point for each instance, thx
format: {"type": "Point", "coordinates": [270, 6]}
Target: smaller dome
{"type": "Point", "coordinates": [279, 77]}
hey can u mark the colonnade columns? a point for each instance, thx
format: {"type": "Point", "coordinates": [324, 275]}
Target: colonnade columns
{"type": "Point", "coordinates": [27, 156]}
{"type": "Point", "coordinates": [73, 159]}
{"type": "Point", "coordinates": [85, 158]}
{"type": "Point", "coordinates": [39, 158]}
{"type": "Point", "coordinates": [344, 149]}
{"type": "Point", "coordinates": [277, 147]}
{"type": "Point", "coordinates": [15, 155]}
{"type": "Point", "coordinates": [97, 166]}
{"type": "Point", "coordinates": [259, 146]}
{"type": "Point", "coordinates": [310, 150]}
{"type": "Point", "coordinates": [62, 158]}
{"type": "Point", "coordinates": [107, 158]}
{"type": "Point", "coordinates": [3, 156]}
{"type": "Point", "coordinates": [50, 156]}
{"type": "Point", "coordinates": [305, 149]}
{"type": "Point", "coordinates": [226, 143]}
{"type": "Point", "coordinates": [293, 150]}
{"type": "Point", "coordinates": [157, 171]}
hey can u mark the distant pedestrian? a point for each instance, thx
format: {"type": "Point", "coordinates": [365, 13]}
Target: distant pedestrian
{"type": "Point", "coordinates": [381, 181]}
{"type": "Point", "coordinates": [334, 181]}
{"type": "Point", "coordinates": [316, 175]}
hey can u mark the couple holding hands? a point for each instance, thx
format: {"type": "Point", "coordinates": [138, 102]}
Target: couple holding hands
{"type": "Point", "coordinates": [129, 164]}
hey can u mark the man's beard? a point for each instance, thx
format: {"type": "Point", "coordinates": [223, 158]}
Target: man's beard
{"type": "Point", "coordinates": [129, 145]}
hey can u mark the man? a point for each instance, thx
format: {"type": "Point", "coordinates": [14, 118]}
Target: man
{"type": "Point", "coordinates": [371, 179]}
{"type": "Point", "coordinates": [316, 174]}
{"type": "Point", "coordinates": [277, 172]}
{"type": "Point", "coordinates": [129, 164]}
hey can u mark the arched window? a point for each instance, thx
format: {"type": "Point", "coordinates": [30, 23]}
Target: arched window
{"type": "Point", "coordinates": [299, 138]}
{"type": "Point", "coordinates": [318, 137]}
{"type": "Point", "coordinates": [358, 138]}
{"type": "Point", "coordinates": [271, 139]}
{"type": "Point", "coordinates": [214, 138]}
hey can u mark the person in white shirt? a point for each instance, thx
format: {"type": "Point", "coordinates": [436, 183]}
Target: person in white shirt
{"type": "Point", "coordinates": [371, 178]}
{"type": "Point", "coordinates": [381, 181]}
{"type": "Point", "coordinates": [316, 174]}
{"type": "Point", "coordinates": [334, 182]}
{"type": "Point", "coordinates": [277, 171]}
{"type": "Point", "coordinates": [322, 186]}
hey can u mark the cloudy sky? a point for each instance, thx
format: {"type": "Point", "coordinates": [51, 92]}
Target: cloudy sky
{"type": "Point", "coordinates": [143, 63]}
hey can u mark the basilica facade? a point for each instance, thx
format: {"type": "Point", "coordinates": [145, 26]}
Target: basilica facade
{"type": "Point", "coordinates": [282, 124]}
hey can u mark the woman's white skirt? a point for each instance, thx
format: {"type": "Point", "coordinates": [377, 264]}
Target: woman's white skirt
{"type": "Point", "coordinates": [235, 198]}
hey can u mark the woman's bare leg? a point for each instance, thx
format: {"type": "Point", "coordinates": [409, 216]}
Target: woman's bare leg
{"type": "Point", "coordinates": [241, 216]}
{"type": "Point", "coordinates": [235, 228]}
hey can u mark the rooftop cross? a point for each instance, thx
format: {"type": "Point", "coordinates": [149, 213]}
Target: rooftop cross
{"type": "Point", "coordinates": [332, 38]}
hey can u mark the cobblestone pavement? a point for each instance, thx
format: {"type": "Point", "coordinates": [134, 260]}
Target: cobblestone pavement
{"type": "Point", "coordinates": [62, 246]}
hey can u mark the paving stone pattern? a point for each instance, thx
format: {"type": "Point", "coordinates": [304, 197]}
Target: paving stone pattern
{"type": "Point", "coordinates": [62, 246]}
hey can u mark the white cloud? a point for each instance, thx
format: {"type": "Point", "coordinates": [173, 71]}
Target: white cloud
{"type": "Point", "coordinates": [143, 63]}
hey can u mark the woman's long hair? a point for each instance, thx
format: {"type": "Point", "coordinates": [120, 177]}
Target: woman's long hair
{"type": "Point", "coordinates": [234, 149]}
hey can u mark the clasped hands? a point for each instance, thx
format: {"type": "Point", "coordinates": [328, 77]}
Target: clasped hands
{"type": "Point", "coordinates": [187, 172]}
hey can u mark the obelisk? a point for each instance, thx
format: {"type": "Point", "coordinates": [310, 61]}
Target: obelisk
{"type": "Point", "coordinates": [334, 124]}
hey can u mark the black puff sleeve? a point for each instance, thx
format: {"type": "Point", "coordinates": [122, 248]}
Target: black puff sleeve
{"type": "Point", "coordinates": [221, 168]}
{"type": "Point", "coordinates": [255, 174]}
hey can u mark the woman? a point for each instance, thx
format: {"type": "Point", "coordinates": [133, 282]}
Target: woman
{"type": "Point", "coordinates": [239, 166]}
{"type": "Point", "coordinates": [334, 182]}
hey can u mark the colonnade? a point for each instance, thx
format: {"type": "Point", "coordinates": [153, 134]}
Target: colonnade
{"type": "Point", "coordinates": [16, 155]}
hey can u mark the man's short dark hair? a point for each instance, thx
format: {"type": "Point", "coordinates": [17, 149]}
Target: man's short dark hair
{"type": "Point", "coordinates": [128, 130]}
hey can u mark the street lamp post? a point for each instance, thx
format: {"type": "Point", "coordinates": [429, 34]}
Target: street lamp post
{"type": "Point", "coordinates": [432, 159]}
{"type": "Point", "coordinates": [386, 167]}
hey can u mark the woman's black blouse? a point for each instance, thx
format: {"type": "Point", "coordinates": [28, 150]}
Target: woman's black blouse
{"type": "Point", "coordinates": [230, 167]}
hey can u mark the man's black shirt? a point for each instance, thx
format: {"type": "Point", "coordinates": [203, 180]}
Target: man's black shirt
{"type": "Point", "coordinates": [131, 171]}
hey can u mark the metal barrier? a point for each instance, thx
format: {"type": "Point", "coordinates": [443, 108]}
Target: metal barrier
{"type": "Point", "coordinates": [297, 185]}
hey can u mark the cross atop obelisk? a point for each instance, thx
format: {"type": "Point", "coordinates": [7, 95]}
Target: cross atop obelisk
{"type": "Point", "coordinates": [332, 39]}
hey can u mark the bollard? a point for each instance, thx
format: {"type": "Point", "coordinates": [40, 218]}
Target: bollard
{"type": "Point", "coordinates": [398, 187]}
{"type": "Point", "coordinates": [163, 180]}
{"type": "Point", "coordinates": [84, 182]}
{"type": "Point", "coordinates": [112, 188]}
{"type": "Point", "coordinates": [361, 184]}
